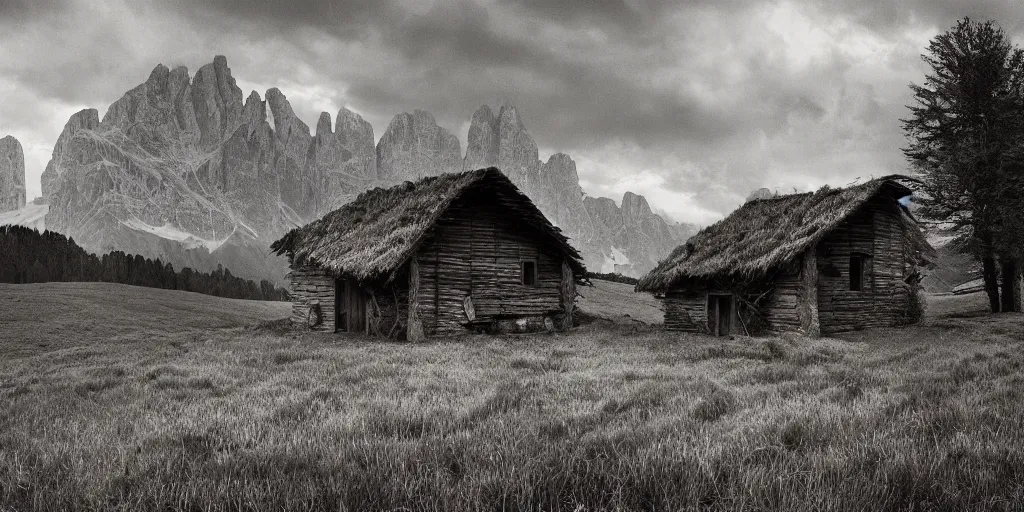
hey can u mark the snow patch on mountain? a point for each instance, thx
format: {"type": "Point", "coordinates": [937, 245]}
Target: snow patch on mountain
{"type": "Point", "coordinates": [613, 260]}
{"type": "Point", "coordinates": [170, 232]}
{"type": "Point", "coordinates": [31, 216]}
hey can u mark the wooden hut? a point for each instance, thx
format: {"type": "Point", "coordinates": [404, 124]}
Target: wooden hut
{"type": "Point", "coordinates": [445, 255]}
{"type": "Point", "coordinates": [820, 262]}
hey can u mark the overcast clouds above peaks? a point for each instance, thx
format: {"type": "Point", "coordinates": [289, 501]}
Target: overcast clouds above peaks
{"type": "Point", "coordinates": [692, 104]}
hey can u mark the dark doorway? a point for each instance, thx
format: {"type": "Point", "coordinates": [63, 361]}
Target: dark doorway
{"type": "Point", "coordinates": [350, 306]}
{"type": "Point", "coordinates": [720, 314]}
{"type": "Point", "coordinates": [856, 272]}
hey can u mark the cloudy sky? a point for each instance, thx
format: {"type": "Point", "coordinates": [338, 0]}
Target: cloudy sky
{"type": "Point", "coordinates": [692, 104]}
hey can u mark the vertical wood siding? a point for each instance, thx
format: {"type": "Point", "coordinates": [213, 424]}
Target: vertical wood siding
{"type": "Point", "coordinates": [876, 231]}
{"type": "Point", "coordinates": [781, 308]}
{"type": "Point", "coordinates": [476, 249]}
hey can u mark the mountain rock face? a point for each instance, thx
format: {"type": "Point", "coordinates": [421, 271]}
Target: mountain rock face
{"type": "Point", "coordinates": [414, 146]}
{"type": "Point", "coordinates": [64, 155]}
{"type": "Point", "coordinates": [12, 175]}
{"type": "Point", "coordinates": [502, 141]}
{"type": "Point", "coordinates": [182, 169]}
{"type": "Point", "coordinates": [187, 169]}
{"type": "Point", "coordinates": [627, 240]}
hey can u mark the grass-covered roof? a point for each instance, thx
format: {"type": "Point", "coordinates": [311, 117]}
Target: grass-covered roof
{"type": "Point", "coordinates": [764, 234]}
{"type": "Point", "coordinates": [375, 234]}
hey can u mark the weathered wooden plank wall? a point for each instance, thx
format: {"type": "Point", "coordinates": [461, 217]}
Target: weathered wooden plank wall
{"type": "Point", "coordinates": [876, 231]}
{"type": "Point", "coordinates": [309, 285]}
{"type": "Point", "coordinates": [686, 311]}
{"type": "Point", "coordinates": [476, 249]}
{"type": "Point", "coordinates": [781, 307]}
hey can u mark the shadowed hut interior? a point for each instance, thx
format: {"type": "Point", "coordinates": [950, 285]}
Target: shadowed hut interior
{"type": "Point", "coordinates": [826, 261]}
{"type": "Point", "coordinates": [449, 254]}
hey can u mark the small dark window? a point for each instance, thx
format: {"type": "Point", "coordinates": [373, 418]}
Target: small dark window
{"type": "Point", "coordinates": [856, 273]}
{"type": "Point", "coordinates": [528, 273]}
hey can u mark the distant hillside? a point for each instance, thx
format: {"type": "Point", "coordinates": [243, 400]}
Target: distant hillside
{"type": "Point", "coordinates": [951, 269]}
{"type": "Point", "coordinates": [28, 256]}
{"type": "Point", "coordinates": [50, 317]}
{"type": "Point", "coordinates": [618, 303]}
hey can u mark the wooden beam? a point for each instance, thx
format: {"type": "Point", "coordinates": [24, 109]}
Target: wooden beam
{"type": "Point", "coordinates": [807, 308]}
{"type": "Point", "coordinates": [415, 325]}
{"type": "Point", "coordinates": [567, 296]}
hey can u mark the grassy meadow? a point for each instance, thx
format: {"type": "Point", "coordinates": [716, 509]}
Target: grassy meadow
{"type": "Point", "coordinates": [159, 402]}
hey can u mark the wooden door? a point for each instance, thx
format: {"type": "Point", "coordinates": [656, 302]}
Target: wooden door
{"type": "Point", "coordinates": [356, 302]}
{"type": "Point", "coordinates": [341, 305]}
{"type": "Point", "coordinates": [350, 305]}
{"type": "Point", "coordinates": [720, 314]}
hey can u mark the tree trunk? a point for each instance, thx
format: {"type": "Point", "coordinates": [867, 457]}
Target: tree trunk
{"type": "Point", "coordinates": [1010, 297]}
{"type": "Point", "coordinates": [988, 271]}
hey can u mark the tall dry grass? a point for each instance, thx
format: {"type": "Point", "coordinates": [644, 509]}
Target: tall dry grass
{"type": "Point", "coordinates": [928, 417]}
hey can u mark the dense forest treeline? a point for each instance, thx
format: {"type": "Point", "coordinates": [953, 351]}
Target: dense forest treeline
{"type": "Point", "coordinates": [614, 277]}
{"type": "Point", "coordinates": [28, 256]}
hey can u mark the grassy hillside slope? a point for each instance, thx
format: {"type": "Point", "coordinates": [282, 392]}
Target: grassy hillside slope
{"type": "Point", "coordinates": [619, 303]}
{"type": "Point", "coordinates": [202, 413]}
{"type": "Point", "coordinates": [43, 317]}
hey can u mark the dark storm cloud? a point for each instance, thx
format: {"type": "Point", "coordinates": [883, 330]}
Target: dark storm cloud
{"type": "Point", "coordinates": [347, 19]}
{"type": "Point", "coordinates": [12, 11]}
{"type": "Point", "coordinates": [892, 15]}
{"type": "Point", "coordinates": [692, 98]}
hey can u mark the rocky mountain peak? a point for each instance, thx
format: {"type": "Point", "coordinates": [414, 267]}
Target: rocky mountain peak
{"type": "Point", "coordinates": [481, 143]}
{"type": "Point", "coordinates": [509, 118]}
{"type": "Point", "coordinates": [254, 112]}
{"type": "Point", "coordinates": [85, 119]}
{"type": "Point", "coordinates": [228, 177]}
{"type": "Point", "coordinates": [502, 141]}
{"type": "Point", "coordinates": [348, 121]}
{"type": "Point", "coordinates": [414, 146]}
{"type": "Point", "coordinates": [323, 125]}
{"type": "Point", "coordinates": [216, 101]}
{"type": "Point", "coordinates": [12, 174]}
{"type": "Point", "coordinates": [635, 206]}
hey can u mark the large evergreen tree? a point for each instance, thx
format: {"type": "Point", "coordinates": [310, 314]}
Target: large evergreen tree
{"type": "Point", "coordinates": [963, 136]}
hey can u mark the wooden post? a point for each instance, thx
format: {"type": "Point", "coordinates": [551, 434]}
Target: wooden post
{"type": "Point", "coordinates": [415, 325]}
{"type": "Point", "coordinates": [567, 296]}
{"type": "Point", "coordinates": [808, 308]}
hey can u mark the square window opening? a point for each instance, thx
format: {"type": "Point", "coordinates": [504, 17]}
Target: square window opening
{"type": "Point", "coordinates": [856, 273]}
{"type": "Point", "coordinates": [528, 273]}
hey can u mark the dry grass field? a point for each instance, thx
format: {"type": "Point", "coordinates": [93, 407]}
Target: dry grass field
{"type": "Point", "coordinates": [169, 401]}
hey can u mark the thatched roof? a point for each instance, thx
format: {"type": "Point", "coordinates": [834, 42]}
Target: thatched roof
{"type": "Point", "coordinates": [764, 234]}
{"type": "Point", "coordinates": [375, 234]}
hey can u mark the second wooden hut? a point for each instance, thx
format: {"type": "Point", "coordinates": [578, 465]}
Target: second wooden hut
{"type": "Point", "coordinates": [832, 260]}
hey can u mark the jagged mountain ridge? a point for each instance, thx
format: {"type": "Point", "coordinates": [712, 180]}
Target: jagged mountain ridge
{"type": "Point", "coordinates": [183, 169]}
{"type": "Point", "coordinates": [629, 239]}
{"type": "Point", "coordinates": [12, 174]}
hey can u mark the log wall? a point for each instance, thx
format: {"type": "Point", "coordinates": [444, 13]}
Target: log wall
{"type": "Point", "coordinates": [309, 285]}
{"type": "Point", "coordinates": [686, 311]}
{"type": "Point", "coordinates": [781, 309]}
{"type": "Point", "coordinates": [877, 232]}
{"type": "Point", "coordinates": [475, 249]}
